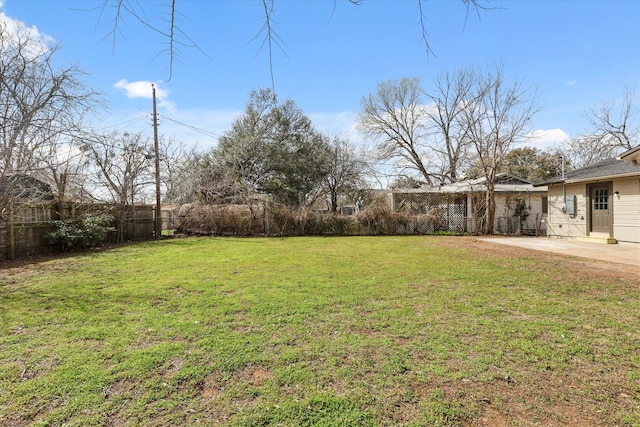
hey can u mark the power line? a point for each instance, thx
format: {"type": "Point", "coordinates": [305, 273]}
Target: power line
{"type": "Point", "coordinates": [124, 124]}
{"type": "Point", "coordinates": [194, 128]}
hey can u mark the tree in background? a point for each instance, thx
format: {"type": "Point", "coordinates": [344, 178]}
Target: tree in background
{"type": "Point", "coordinates": [299, 156]}
{"type": "Point", "coordinates": [213, 182]}
{"type": "Point", "coordinates": [406, 182]}
{"type": "Point", "coordinates": [40, 104]}
{"type": "Point", "coordinates": [176, 166]}
{"type": "Point", "coordinates": [526, 162]}
{"type": "Point", "coordinates": [425, 131]}
{"type": "Point", "coordinates": [243, 150]}
{"type": "Point", "coordinates": [532, 164]}
{"type": "Point", "coordinates": [345, 175]}
{"type": "Point", "coordinates": [64, 166]}
{"type": "Point", "coordinates": [123, 166]}
{"type": "Point", "coordinates": [395, 116]}
{"type": "Point", "coordinates": [497, 118]}
{"type": "Point", "coordinates": [271, 149]}
{"type": "Point", "coordinates": [123, 171]}
{"type": "Point", "coordinates": [448, 130]}
{"type": "Point", "coordinates": [614, 127]}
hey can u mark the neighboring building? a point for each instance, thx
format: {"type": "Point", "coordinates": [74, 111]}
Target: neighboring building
{"type": "Point", "coordinates": [25, 188]}
{"type": "Point", "coordinates": [598, 202]}
{"type": "Point", "coordinates": [520, 207]}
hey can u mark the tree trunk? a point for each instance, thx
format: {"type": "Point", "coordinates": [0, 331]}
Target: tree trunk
{"type": "Point", "coordinates": [490, 212]}
{"type": "Point", "coordinates": [334, 202]}
{"type": "Point", "coordinates": [12, 235]}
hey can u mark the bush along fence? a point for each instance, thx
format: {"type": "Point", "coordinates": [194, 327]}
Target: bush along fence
{"type": "Point", "coordinates": [261, 219]}
{"type": "Point", "coordinates": [37, 229]}
{"type": "Point", "coordinates": [31, 229]}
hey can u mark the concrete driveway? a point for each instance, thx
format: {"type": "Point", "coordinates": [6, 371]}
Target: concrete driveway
{"type": "Point", "coordinates": [625, 253]}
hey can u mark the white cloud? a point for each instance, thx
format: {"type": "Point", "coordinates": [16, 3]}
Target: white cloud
{"type": "Point", "coordinates": [18, 30]}
{"type": "Point", "coordinates": [140, 89]}
{"type": "Point", "coordinates": [143, 89]}
{"type": "Point", "coordinates": [335, 123]}
{"type": "Point", "coordinates": [545, 139]}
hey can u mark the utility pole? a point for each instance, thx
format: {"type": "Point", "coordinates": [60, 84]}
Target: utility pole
{"type": "Point", "coordinates": [158, 222]}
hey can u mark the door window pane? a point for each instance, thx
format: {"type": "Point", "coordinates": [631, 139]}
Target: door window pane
{"type": "Point", "coordinates": [601, 199]}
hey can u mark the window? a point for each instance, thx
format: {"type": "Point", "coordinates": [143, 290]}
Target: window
{"type": "Point", "coordinates": [601, 199]}
{"type": "Point", "coordinates": [545, 205]}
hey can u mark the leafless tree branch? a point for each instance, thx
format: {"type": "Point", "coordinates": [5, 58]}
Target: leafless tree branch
{"type": "Point", "coordinates": [175, 35]}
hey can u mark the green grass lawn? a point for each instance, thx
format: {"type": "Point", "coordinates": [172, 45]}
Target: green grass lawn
{"type": "Point", "coordinates": [358, 331]}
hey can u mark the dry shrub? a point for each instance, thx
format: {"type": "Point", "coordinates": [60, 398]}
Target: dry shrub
{"type": "Point", "coordinates": [377, 218]}
{"type": "Point", "coordinates": [280, 220]}
{"type": "Point", "coordinates": [243, 220]}
{"type": "Point", "coordinates": [287, 221]}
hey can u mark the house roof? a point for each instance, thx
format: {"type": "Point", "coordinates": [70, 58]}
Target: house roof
{"type": "Point", "coordinates": [504, 183]}
{"type": "Point", "coordinates": [25, 187]}
{"type": "Point", "coordinates": [633, 154]}
{"type": "Point", "coordinates": [606, 169]}
{"type": "Point", "coordinates": [501, 178]}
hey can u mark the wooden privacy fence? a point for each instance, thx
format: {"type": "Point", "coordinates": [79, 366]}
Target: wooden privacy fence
{"type": "Point", "coordinates": [24, 227]}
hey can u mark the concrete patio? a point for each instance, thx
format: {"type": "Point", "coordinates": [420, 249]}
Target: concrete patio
{"type": "Point", "coordinates": [625, 253]}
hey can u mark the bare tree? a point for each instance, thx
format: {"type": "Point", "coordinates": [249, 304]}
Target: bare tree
{"type": "Point", "coordinates": [63, 165]}
{"type": "Point", "coordinates": [614, 127]}
{"type": "Point", "coordinates": [39, 102]}
{"type": "Point", "coordinates": [497, 118]}
{"type": "Point", "coordinates": [396, 115]}
{"type": "Point", "coordinates": [124, 171]}
{"type": "Point", "coordinates": [176, 169]}
{"type": "Point", "coordinates": [123, 166]}
{"type": "Point", "coordinates": [345, 173]}
{"type": "Point", "coordinates": [616, 124]}
{"type": "Point", "coordinates": [449, 138]}
{"type": "Point", "coordinates": [430, 138]}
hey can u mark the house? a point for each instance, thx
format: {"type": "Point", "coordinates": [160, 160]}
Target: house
{"type": "Point", "coordinates": [25, 188]}
{"type": "Point", "coordinates": [599, 202]}
{"type": "Point", "coordinates": [520, 207]}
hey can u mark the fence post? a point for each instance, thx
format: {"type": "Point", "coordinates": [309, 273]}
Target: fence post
{"type": "Point", "coordinates": [12, 234]}
{"type": "Point", "coordinates": [266, 215]}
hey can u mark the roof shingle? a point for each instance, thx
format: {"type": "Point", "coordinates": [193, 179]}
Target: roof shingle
{"type": "Point", "coordinates": [606, 168]}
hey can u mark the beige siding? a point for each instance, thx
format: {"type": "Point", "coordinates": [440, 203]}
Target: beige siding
{"type": "Point", "coordinates": [505, 205]}
{"type": "Point", "coordinates": [559, 223]}
{"type": "Point", "coordinates": [626, 210]}
{"type": "Point", "coordinates": [536, 210]}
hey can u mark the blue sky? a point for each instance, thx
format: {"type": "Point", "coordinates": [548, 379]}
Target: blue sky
{"type": "Point", "coordinates": [576, 53]}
